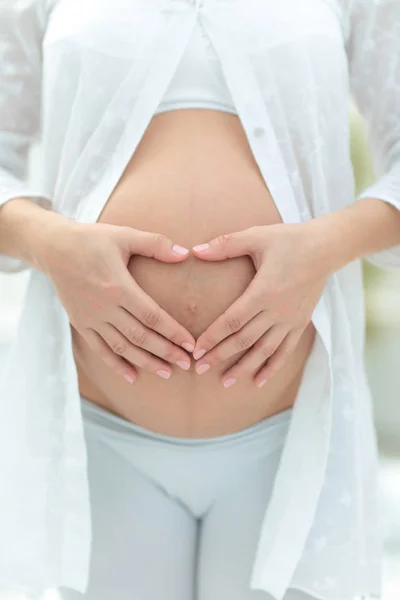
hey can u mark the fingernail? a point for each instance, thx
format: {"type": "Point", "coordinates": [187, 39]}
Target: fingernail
{"type": "Point", "coordinates": [129, 378]}
{"type": "Point", "coordinates": [201, 247]}
{"type": "Point", "coordinates": [262, 383]}
{"type": "Point", "coordinates": [229, 382]}
{"type": "Point", "coordinates": [179, 249]}
{"type": "Point", "coordinates": [199, 353]}
{"type": "Point", "coordinates": [183, 364]}
{"type": "Point", "coordinates": [202, 368]}
{"type": "Point", "coordinates": [188, 346]}
{"type": "Point", "coordinates": [163, 374]}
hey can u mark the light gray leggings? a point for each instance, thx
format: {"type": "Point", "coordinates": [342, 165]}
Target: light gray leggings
{"type": "Point", "coordinates": [173, 518]}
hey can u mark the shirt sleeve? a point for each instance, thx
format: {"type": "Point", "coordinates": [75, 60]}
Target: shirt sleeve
{"type": "Point", "coordinates": [21, 31]}
{"type": "Point", "coordinates": [373, 50]}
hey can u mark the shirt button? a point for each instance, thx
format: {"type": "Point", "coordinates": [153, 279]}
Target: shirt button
{"type": "Point", "coordinates": [258, 132]}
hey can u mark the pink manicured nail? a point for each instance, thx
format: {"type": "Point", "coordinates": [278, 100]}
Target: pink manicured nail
{"type": "Point", "coordinates": [183, 364]}
{"type": "Point", "coordinates": [179, 249]}
{"type": "Point", "coordinates": [163, 374]}
{"type": "Point", "coordinates": [201, 247]}
{"type": "Point", "coordinates": [262, 383]}
{"type": "Point", "coordinates": [129, 378]}
{"type": "Point", "coordinates": [199, 353]}
{"type": "Point", "coordinates": [188, 346]}
{"type": "Point", "coordinates": [202, 368]}
{"type": "Point", "coordinates": [229, 382]}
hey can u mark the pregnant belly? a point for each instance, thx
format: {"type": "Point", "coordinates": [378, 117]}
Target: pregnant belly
{"type": "Point", "coordinates": [192, 177]}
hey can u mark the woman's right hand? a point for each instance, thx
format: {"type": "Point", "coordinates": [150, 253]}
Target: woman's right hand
{"type": "Point", "coordinates": [87, 263]}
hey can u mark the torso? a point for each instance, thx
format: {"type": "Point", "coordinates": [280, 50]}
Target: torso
{"type": "Point", "coordinates": [192, 177]}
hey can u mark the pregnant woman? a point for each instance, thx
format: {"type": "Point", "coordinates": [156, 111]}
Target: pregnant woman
{"type": "Point", "coordinates": [184, 410]}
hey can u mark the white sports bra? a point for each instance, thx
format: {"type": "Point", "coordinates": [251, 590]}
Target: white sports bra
{"type": "Point", "coordinates": [198, 82]}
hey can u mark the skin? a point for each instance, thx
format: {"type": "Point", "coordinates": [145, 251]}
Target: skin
{"type": "Point", "coordinates": [256, 333]}
{"type": "Point", "coordinates": [293, 263]}
{"type": "Point", "coordinates": [246, 300]}
{"type": "Point", "coordinates": [192, 177]}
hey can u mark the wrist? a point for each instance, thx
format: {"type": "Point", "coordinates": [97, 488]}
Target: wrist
{"type": "Point", "coordinates": [364, 227]}
{"type": "Point", "coordinates": [47, 235]}
{"type": "Point", "coordinates": [328, 250]}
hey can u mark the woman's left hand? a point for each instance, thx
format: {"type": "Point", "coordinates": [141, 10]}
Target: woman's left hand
{"type": "Point", "coordinates": [292, 263]}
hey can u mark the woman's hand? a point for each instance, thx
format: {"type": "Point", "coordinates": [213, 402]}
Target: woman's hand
{"type": "Point", "coordinates": [87, 264]}
{"type": "Point", "coordinates": [271, 315]}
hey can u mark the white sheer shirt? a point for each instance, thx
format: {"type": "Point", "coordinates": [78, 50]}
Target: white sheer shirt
{"type": "Point", "coordinates": [86, 76]}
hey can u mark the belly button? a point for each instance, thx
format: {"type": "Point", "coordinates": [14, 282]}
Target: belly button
{"type": "Point", "coordinates": [192, 307]}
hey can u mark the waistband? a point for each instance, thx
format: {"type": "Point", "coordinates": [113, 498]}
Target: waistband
{"type": "Point", "coordinates": [98, 416]}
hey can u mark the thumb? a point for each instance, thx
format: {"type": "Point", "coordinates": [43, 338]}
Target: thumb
{"type": "Point", "coordinates": [227, 245]}
{"type": "Point", "coordinates": [153, 245]}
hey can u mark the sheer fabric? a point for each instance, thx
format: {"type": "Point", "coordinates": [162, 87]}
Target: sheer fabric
{"type": "Point", "coordinates": [87, 76]}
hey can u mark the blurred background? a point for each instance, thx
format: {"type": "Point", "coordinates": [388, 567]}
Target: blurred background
{"type": "Point", "coordinates": [382, 293]}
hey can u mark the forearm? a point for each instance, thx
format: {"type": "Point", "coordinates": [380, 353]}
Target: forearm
{"type": "Point", "coordinates": [367, 226]}
{"type": "Point", "coordinates": [28, 230]}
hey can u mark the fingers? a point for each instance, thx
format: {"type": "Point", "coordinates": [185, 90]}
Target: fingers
{"type": "Point", "coordinates": [133, 334]}
{"type": "Point", "coordinates": [227, 245]}
{"type": "Point", "coordinates": [153, 245]}
{"type": "Point", "coordinates": [278, 359]}
{"type": "Point", "coordinates": [141, 306]}
{"type": "Point", "coordinates": [245, 308]}
{"type": "Point", "coordinates": [273, 346]}
{"type": "Point", "coordinates": [243, 340]}
{"type": "Point", "coordinates": [134, 354]}
{"type": "Point", "coordinates": [263, 349]}
{"type": "Point", "coordinates": [112, 360]}
{"type": "Point", "coordinates": [260, 347]}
